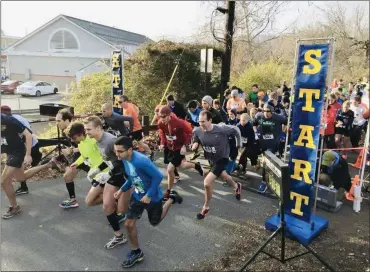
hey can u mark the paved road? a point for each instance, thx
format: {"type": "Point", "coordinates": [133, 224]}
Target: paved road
{"type": "Point", "coordinates": [45, 237]}
{"type": "Point", "coordinates": [26, 103]}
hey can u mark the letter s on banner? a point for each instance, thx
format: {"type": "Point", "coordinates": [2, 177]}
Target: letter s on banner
{"type": "Point", "coordinates": [310, 83]}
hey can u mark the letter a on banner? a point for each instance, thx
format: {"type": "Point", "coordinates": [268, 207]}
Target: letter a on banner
{"type": "Point", "coordinates": [310, 83]}
{"type": "Point", "coordinates": [117, 78]}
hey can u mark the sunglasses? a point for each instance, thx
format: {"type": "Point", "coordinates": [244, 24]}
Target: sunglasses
{"type": "Point", "coordinates": [120, 102]}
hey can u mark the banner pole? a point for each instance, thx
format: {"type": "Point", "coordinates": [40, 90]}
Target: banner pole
{"type": "Point", "coordinates": [364, 157]}
{"type": "Point", "coordinates": [329, 78]}
{"type": "Point", "coordinates": [291, 93]}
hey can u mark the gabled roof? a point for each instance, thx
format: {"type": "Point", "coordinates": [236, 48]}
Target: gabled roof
{"type": "Point", "coordinates": [112, 35]}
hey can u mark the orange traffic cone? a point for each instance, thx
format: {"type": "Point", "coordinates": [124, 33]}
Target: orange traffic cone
{"type": "Point", "coordinates": [358, 163]}
{"type": "Point", "coordinates": [350, 195]}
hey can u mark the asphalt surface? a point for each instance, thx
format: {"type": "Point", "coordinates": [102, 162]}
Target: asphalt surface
{"type": "Point", "coordinates": [46, 237]}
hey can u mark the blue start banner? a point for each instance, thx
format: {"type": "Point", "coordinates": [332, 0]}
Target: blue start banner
{"type": "Point", "coordinates": [117, 78]}
{"type": "Point", "coordinates": [309, 88]}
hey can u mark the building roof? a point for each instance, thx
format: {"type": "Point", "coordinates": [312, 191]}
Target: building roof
{"type": "Point", "coordinates": [112, 35]}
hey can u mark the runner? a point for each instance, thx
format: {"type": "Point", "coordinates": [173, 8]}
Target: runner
{"type": "Point", "coordinates": [215, 142]}
{"type": "Point", "coordinates": [175, 134]}
{"type": "Point", "coordinates": [16, 142]}
{"type": "Point", "coordinates": [207, 103]}
{"type": "Point", "coordinates": [115, 213]}
{"type": "Point", "coordinates": [116, 122]}
{"type": "Point", "coordinates": [145, 178]}
{"type": "Point", "coordinates": [63, 120]}
{"type": "Point", "coordinates": [269, 125]}
{"type": "Point", "coordinates": [89, 153]}
{"type": "Point", "coordinates": [137, 132]}
{"type": "Point", "coordinates": [35, 151]}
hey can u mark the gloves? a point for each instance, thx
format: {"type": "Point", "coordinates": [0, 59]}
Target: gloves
{"type": "Point", "coordinates": [92, 173]}
{"type": "Point", "coordinates": [102, 178]}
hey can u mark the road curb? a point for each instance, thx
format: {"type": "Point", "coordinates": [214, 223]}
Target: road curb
{"type": "Point", "coordinates": [27, 111]}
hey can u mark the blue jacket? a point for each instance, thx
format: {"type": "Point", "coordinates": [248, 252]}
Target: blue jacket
{"type": "Point", "coordinates": [143, 176]}
{"type": "Point", "coordinates": [192, 117]}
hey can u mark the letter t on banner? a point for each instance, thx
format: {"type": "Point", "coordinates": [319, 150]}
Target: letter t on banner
{"type": "Point", "coordinates": [310, 83]}
{"type": "Point", "coordinates": [117, 78]}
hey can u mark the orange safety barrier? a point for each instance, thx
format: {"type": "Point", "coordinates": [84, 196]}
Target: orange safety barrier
{"type": "Point", "coordinates": [358, 163]}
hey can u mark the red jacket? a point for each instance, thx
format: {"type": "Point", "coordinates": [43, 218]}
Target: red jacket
{"type": "Point", "coordinates": [330, 118]}
{"type": "Point", "coordinates": [175, 134]}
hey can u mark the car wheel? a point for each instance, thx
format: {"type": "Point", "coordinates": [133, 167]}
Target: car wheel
{"type": "Point", "coordinates": [38, 93]}
{"type": "Point", "coordinates": [55, 90]}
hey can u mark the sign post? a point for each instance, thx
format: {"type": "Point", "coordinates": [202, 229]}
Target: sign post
{"type": "Point", "coordinates": [206, 63]}
{"type": "Point", "coordinates": [117, 78]}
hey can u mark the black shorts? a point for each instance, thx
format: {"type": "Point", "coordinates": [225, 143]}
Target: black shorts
{"type": "Point", "coordinates": [118, 174]}
{"type": "Point", "coordinates": [15, 159]}
{"type": "Point", "coordinates": [154, 210]}
{"type": "Point", "coordinates": [36, 155]}
{"type": "Point", "coordinates": [82, 166]}
{"type": "Point", "coordinates": [218, 167]}
{"type": "Point", "coordinates": [342, 131]}
{"type": "Point", "coordinates": [137, 135]}
{"type": "Point", "coordinates": [175, 157]}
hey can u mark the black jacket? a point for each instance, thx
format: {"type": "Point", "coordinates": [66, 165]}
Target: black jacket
{"type": "Point", "coordinates": [340, 175]}
{"type": "Point", "coordinates": [179, 110]}
{"type": "Point", "coordinates": [216, 116]}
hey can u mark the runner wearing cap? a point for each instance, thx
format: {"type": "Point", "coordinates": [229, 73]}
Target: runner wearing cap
{"type": "Point", "coordinates": [175, 134]}
{"type": "Point", "coordinates": [268, 125]}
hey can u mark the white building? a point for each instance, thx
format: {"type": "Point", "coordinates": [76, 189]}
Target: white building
{"type": "Point", "coordinates": [66, 48]}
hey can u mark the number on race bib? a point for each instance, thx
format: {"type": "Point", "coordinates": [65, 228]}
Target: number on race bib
{"type": "Point", "coordinates": [244, 140]}
{"type": "Point", "coordinates": [268, 137]}
{"type": "Point", "coordinates": [3, 141]}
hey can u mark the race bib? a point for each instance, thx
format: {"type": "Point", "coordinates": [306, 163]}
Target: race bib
{"type": "Point", "coordinates": [171, 138]}
{"type": "Point", "coordinates": [268, 137]}
{"type": "Point", "coordinates": [110, 164]}
{"type": "Point", "coordinates": [244, 140]}
{"type": "Point", "coordinates": [3, 141]}
{"type": "Point", "coordinates": [209, 149]}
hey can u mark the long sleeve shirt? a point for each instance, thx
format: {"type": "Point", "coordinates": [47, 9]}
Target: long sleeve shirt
{"type": "Point", "coordinates": [216, 142]}
{"type": "Point", "coordinates": [143, 176]}
{"type": "Point", "coordinates": [175, 133]}
{"type": "Point", "coordinates": [116, 122]}
{"type": "Point", "coordinates": [247, 133]}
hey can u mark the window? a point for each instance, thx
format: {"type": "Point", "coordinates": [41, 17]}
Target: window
{"type": "Point", "coordinates": [63, 40]}
{"type": "Point", "coordinates": [46, 84]}
{"type": "Point", "coordinates": [39, 84]}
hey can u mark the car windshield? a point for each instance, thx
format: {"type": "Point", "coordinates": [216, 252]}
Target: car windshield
{"type": "Point", "coordinates": [9, 82]}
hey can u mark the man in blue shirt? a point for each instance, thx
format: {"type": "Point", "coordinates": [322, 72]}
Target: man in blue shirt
{"type": "Point", "coordinates": [145, 179]}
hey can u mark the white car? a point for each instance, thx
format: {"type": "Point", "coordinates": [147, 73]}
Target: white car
{"type": "Point", "coordinates": [36, 88]}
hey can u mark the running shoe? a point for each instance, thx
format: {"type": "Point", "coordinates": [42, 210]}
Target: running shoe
{"type": "Point", "coordinates": [263, 188]}
{"type": "Point", "coordinates": [195, 155]}
{"type": "Point", "coordinates": [11, 212]}
{"type": "Point", "coordinates": [238, 191]}
{"type": "Point", "coordinates": [115, 241]}
{"type": "Point", "coordinates": [67, 204]}
{"type": "Point", "coordinates": [21, 191]}
{"type": "Point", "coordinates": [133, 258]}
{"type": "Point", "coordinates": [202, 213]}
{"type": "Point", "coordinates": [199, 168]}
{"type": "Point", "coordinates": [175, 197]}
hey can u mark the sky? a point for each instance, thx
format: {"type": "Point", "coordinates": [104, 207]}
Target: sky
{"type": "Point", "coordinates": [154, 19]}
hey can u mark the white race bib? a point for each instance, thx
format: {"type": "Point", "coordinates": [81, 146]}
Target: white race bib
{"type": "Point", "coordinates": [244, 140]}
{"type": "Point", "coordinates": [268, 137]}
{"type": "Point", "coordinates": [171, 138]}
{"type": "Point", "coordinates": [3, 141]}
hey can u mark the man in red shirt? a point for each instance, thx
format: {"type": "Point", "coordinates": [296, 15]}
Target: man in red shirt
{"type": "Point", "coordinates": [175, 134]}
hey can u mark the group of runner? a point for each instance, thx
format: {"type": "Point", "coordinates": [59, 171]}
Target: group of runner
{"type": "Point", "coordinates": [126, 181]}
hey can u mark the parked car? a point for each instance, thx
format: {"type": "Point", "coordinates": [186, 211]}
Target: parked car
{"type": "Point", "coordinates": [10, 86]}
{"type": "Point", "coordinates": [36, 88]}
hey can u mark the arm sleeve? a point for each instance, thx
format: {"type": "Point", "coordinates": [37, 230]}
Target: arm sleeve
{"type": "Point", "coordinates": [127, 185]}
{"type": "Point", "coordinates": [251, 136]}
{"type": "Point", "coordinates": [161, 134]}
{"type": "Point", "coordinates": [195, 136]}
{"type": "Point", "coordinates": [17, 126]}
{"type": "Point", "coordinates": [233, 131]}
{"type": "Point", "coordinates": [280, 118]}
{"type": "Point", "coordinates": [187, 132]}
{"type": "Point", "coordinates": [79, 161]}
{"type": "Point", "coordinates": [152, 171]}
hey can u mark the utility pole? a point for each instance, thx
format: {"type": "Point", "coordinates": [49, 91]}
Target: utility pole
{"type": "Point", "coordinates": [226, 59]}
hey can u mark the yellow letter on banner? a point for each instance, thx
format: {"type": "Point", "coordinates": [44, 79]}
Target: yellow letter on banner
{"type": "Point", "coordinates": [116, 99]}
{"type": "Point", "coordinates": [298, 202]}
{"type": "Point", "coordinates": [309, 94]}
{"type": "Point", "coordinates": [314, 62]}
{"type": "Point", "coordinates": [116, 79]}
{"type": "Point", "coordinates": [305, 134]}
{"type": "Point", "coordinates": [298, 169]}
{"type": "Point", "coordinates": [115, 61]}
